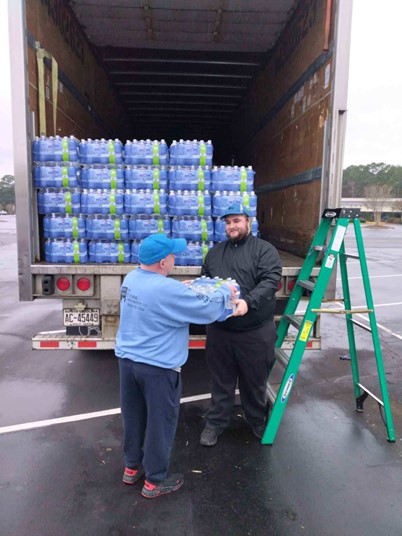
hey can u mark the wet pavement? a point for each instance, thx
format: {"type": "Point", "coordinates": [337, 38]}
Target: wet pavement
{"type": "Point", "coordinates": [330, 471]}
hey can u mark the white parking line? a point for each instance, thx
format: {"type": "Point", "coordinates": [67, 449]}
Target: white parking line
{"type": "Point", "coordinates": [371, 277]}
{"type": "Point", "coordinates": [84, 416]}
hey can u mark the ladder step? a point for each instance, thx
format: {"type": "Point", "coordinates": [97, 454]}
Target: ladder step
{"type": "Point", "coordinates": [282, 357]}
{"type": "Point", "coordinates": [308, 285]}
{"type": "Point", "coordinates": [295, 320]}
{"type": "Point", "coordinates": [360, 325]}
{"type": "Point", "coordinates": [351, 256]}
{"type": "Point", "coordinates": [270, 393]}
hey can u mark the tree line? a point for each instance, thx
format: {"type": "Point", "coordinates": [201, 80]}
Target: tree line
{"type": "Point", "coordinates": [360, 181]}
{"type": "Point", "coordinates": [7, 193]}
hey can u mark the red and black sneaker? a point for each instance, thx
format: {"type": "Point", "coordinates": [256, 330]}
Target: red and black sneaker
{"type": "Point", "coordinates": [171, 483]}
{"type": "Point", "coordinates": [131, 476]}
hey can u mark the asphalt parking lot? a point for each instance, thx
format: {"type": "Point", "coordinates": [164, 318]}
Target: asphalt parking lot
{"type": "Point", "coordinates": [330, 471]}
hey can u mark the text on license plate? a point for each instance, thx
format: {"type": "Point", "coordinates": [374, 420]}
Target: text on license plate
{"type": "Point", "coordinates": [88, 317]}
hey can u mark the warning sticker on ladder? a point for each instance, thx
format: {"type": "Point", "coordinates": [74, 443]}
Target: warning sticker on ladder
{"type": "Point", "coordinates": [305, 332]}
{"type": "Point", "coordinates": [338, 238]}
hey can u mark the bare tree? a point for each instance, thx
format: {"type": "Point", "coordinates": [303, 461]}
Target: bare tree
{"type": "Point", "coordinates": [377, 198]}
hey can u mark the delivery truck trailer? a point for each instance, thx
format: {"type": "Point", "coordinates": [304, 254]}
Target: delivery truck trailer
{"type": "Point", "coordinates": [264, 80]}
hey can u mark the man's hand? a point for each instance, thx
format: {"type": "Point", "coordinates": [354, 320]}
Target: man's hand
{"type": "Point", "coordinates": [241, 307]}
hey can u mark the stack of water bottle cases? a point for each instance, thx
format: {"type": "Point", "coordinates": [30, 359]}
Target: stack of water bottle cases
{"type": "Point", "coordinates": [99, 198]}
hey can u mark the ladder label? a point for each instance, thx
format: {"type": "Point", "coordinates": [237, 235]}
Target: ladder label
{"type": "Point", "coordinates": [305, 332]}
{"type": "Point", "coordinates": [287, 388]}
{"type": "Point", "coordinates": [330, 261]}
{"type": "Point", "coordinates": [338, 238]}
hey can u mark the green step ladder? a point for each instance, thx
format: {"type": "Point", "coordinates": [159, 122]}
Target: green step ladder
{"type": "Point", "coordinates": [331, 247]}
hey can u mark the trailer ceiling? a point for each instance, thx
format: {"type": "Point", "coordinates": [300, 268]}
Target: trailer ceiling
{"type": "Point", "coordinates": [181, 68]}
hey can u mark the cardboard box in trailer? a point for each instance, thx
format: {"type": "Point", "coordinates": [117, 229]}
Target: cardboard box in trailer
{"type": "Point", "coordinates": [265, 80]}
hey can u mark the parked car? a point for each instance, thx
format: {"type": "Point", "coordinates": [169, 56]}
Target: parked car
{"type": "Point", "coordinates": [3, 212]}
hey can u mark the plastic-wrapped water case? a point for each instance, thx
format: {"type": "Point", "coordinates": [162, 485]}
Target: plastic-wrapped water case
{"type": "Point", "coordinates": [66, 250]}
{"type": "Point", "coordinates": [100, 151]}
{"type": "Point", "coordinates": [59, 200]}
{"type": "Point", "coordinates": [146, 177]}
{"type": "Point", "coordinates": [135, 246]}
{"type": "Point", "coordinates": [101, 251]}
{"type": "Point", "coordinates": [107, 227]}
{"type": "Point", "coordinates": [194, 254]}
{"type": "Point", "coordinates": [102, 201]}
{"type": "Point", "coordinates": [191, 153]}
{"type": "Point", "coordinates": [145, 202]}
{"type": "Point", "coordinates": [55, 149]}
{"type": "Point", "coordinates": [189, 178]}
{"type": "Point", "coordinates": [146, 152]}
{"type": "Point", "coordinates": [221, 201]}
{"type": "Point", "coordinates": [240, 179]}
{"type": "Point", "coordinates": [143, 225]}
{"type": "Point", "coordinates": [100, 176]}
{"type": "Point", "coordinates": [208, 286]}
{"type": "Point", "coordinates": [220, 226]}
{"type": "Point", "coordinates": [194, 228]}
{"type": "Point", "coordinates": [56, 175]}
{"type": "Point", "coordinates": [64, 226]}
{"type": "Point", "coordinates": [189, 203]}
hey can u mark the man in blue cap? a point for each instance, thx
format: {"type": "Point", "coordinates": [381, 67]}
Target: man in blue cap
{"type": "Point", "coordinates": [241, 349]}
{"type": "Point", "coordinates": [152, 345]}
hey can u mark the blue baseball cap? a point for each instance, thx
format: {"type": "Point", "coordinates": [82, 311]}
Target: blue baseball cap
{"type": "Point", "coordinates": [237, 208]}
{"type": "Point", "coordinates": [158, 246]}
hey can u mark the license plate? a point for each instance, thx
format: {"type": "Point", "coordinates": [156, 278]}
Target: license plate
{"type": "Point", "coordinates": [88, 317]}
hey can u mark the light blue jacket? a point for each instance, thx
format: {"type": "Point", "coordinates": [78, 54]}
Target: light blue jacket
{"type": "Point", "coordinates": [155, 313]}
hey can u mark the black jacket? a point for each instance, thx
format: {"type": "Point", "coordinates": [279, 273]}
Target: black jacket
{"type": "Point", "coordinates": [256, 266]}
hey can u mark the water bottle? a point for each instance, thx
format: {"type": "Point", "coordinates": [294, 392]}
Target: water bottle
{"type": "Point", "coordinates": [100, 176]}
{"type": "Point", "coordinates": [135, 246]}
{"type": "Point", "coordinates": [55, 175]}
{"type": "Point", "coordinates": [146, 177]}
{"type": "Point", "coordinates": [107, 227]}
{"type": "Point", "coordinates": [64, 226]}
{"type": "Point", "coordinates": [142, 225]}
{"type": "Point", "coordinates": [59, 200]}
{"type": "Point", "coordinates": [68, 251]}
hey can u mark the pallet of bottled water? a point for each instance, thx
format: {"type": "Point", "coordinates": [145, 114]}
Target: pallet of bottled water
{"type": "Point", "coordinates": [207, 286]}
{"type": "Point", "coordinates": [191, 153]}
{"type": "Point", "coordinates": [146, 152]}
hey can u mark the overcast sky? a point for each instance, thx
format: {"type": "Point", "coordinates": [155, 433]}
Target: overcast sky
{"type": "Point", "coordinates": [374, 123]}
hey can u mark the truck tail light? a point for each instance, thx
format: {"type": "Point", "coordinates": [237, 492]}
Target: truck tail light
{"type": "Point", "coordinates": [63, 284]}
{"type": "Point", "coordinates": [83, 284]}
{"type": "Point", "coordinates": [279, 286]}
{"type": "Point", "coordinates": [291, 284]}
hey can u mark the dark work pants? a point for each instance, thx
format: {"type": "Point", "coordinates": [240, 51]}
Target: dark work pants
{"type": "Point", "coordinates": [243, 356]}
{"type": "Point", "coordinates": [150, 403]}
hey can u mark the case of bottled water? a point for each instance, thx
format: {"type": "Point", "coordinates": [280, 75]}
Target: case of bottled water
{"type": "Point", "coordinates": [64, 226]}
{"type": "Point", "coordinates": [194, 228]}
{"type": "Point", "coordinates": [189, 178]}
{"type": "Point", "coordinates": [220, 233]}
{"type": "Point", "coordinates": [66, 250]}
{"type": "Point", "coordinates": [146, 152]}
{"type": "Point", "coordinates": [96, 201]}
{"type": "Point", "coordinates": [59, 200]}
{"type": "Point", "coordinates": [146, 177]}
{"type": "Point", "coordinates": [143, 225]}
{"type": "Point", "coordinates": [240, 179]}
{"type": "Point", "coordinates": [135, 246]}
{"type": "Point", "coordinates": [55, 149]}
{"type": "Point", "coordinates": [191, 153]}
{"type": "Point", "coordinates": [145, 202]}
{"type": "Point", "coordinates": [100, 176]}
{"type": "Point", "coordinates": [56, 175]}
{"type": "Point", "coordinates": [107, 227]}
{"type": "Point", "coordinates": [206, 285]}
{"type": "Point", "coordinates": [100, 151]}
{"type": "Point", "coordinates": [194, 254]}
{"type": "Point", "coordinates": [189, 203]}
{"type": "Point", "coordinates": [221, 201]}
{"type": "Point", "coordinates": [101, 251]}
